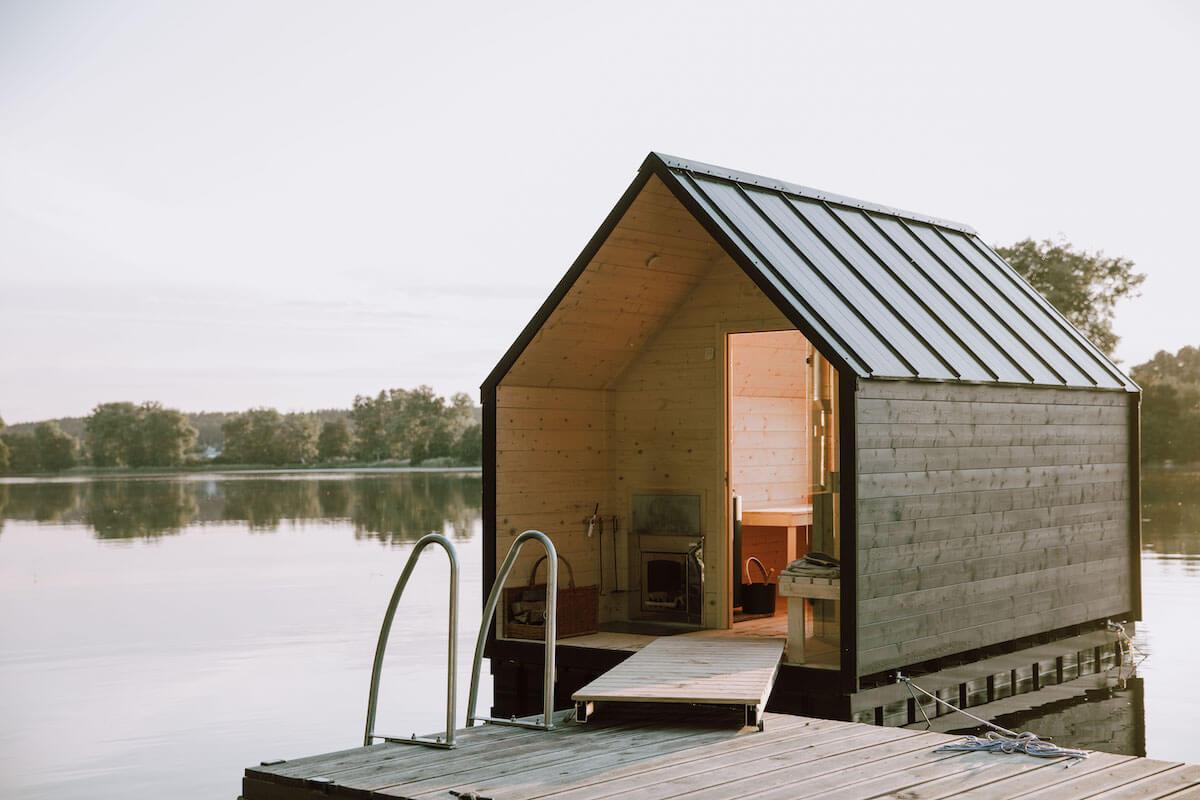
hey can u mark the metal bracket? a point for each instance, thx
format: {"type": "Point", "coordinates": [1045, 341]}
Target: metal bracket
{"type": "Point", "coordinates": [427, 741]}
{"type": "Point", "coordinates": [754, 717]}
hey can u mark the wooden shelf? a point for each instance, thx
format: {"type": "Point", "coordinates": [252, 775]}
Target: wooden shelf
{"type": "Point", "coordinates": [779, 516]}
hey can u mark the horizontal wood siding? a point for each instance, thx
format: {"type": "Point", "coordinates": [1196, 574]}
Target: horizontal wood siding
{"type": "Point", "coordinates": [986, 514]}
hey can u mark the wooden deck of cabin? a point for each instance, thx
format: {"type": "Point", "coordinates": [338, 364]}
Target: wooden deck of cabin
{"type": "Point", "coordinates": [822, 655]}
{"type": "Point", "coordinates": [704, 754]}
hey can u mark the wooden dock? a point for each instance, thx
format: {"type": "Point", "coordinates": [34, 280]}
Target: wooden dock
{"type": "Point", "coordinates": [688, 669]}
{"type": "Point", "coordinates": [707, 756]}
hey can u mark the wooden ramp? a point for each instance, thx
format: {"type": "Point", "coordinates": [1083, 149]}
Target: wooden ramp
{"type": "Point", "coordinates": [690, 669]}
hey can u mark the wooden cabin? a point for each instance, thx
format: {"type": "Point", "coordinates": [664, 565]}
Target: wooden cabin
{"type": "Point", "coordinates": [863, 382]}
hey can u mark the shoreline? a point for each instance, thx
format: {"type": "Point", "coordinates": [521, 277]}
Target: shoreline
{"type": "Point", "coordinates": [93, 473]}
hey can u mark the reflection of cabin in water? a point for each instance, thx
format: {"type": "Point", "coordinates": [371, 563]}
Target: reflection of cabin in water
{"type": "Point", "coordinates": [863, 382]}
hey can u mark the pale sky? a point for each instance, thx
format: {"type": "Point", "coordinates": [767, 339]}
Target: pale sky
{"type": "Point", "coordinates": [226, 204]}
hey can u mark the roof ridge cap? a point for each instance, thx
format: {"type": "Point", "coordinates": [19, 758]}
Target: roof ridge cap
{"type": "Point", "coordinates": [738, 176]}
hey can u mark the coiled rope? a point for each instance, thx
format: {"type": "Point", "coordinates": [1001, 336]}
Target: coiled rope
{"type": "Point", "coordinates": [997, 740]}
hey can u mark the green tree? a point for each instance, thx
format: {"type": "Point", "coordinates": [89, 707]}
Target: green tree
{"type": "Point", "coordinates": [1170, 422]}
{"type": "Point", "coordinates": [55, 449]}
{"type": "Point", "coordinates": [1170, 405]}
{"type": "Point", "coordinates": [163, 435]}
{"type": "Point", "coordinates": [334, 440]}
{"type": "Point", "coordinates": [425, 420]}
{"type": "Point", "coordinates": [1177, 368]}
{"type": "Point", "coordinates": [252, 437]}
{"type": "Point", "coordinates": [4, 455]}
{"type": "Point", "coordinates": [122, 434]}
{"type": "Point", "coordinates": [1084, 286]}
{"type": "Point", "coordinates": [22, 453]}
{"type": "Point", "coordinates": [371, 426]}
{"type": "Point", "coordinates": [468, 447]}
{"type": "Point", "coordinates": [108, 433]}
{"type": "Point", "coordinates": [297, 440]}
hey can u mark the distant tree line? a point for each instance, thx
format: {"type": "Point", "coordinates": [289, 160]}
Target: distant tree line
{"type": "Point", "coordinates": [415, 425]}
{"type": "Point", "coordinates": [398, 425]}
{"type": "Point", "coordinates": [1170, 406]}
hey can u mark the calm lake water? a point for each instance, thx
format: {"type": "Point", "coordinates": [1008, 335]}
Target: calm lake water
{"type": "Point", "coordinates": [158, 635]}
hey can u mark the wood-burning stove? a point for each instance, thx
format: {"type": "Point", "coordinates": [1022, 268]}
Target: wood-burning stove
{"type": "Point", "coordinates": [671, 579]}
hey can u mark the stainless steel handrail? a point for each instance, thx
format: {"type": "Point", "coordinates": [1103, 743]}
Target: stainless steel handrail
{"type": "Point", "coordinates": [489, 612]}
{"type": "Point", "coordinates": [452, 646]}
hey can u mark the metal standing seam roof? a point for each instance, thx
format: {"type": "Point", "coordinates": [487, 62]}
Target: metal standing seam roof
{"type": "Point", "coordinates": [891, 293]}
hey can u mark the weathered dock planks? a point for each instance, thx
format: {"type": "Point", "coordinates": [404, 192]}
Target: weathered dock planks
{"type": "Point", "coordinates": [707, 756]}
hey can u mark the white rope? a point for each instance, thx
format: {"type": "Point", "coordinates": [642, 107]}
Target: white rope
{"type": "Point", "coordinates": [1027, 743]}
{"type": "Point", "coordinates": [997, 740]}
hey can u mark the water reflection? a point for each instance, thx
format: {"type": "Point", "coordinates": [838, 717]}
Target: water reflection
{"type": "Point", "coordinates": [1110, 719]}
{"type": "Point", "coordinates": [1171, 514]}
{"type": "Point", "coordinates": [392, 508]}
{"type": "Point", "coordinates": [156, 632]}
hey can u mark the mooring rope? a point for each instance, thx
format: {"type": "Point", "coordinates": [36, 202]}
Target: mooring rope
{"type": "Point", "coordinates": [1128, 651]}
{"type": "Point", "coordinates": [997, 740]}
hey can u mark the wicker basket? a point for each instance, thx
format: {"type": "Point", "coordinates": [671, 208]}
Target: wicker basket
{"type": "Point", "coordinates": [578, 607]}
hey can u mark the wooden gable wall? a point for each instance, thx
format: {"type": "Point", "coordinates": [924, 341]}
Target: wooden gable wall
{"type": "Point", "coordinates": [554, 414]}
{"type": "Point", "coordinates": [623, 389]}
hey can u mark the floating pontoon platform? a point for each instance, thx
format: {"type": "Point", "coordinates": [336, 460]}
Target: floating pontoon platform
{"type": "Point", "coordinates": [708, 755]}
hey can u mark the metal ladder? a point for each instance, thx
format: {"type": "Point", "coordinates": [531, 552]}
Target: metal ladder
{"type": "Point", "coordinates": [489, 611]}
{"type": "Point", "coordinates": [451, 673]}
{"type": "Point", "coordinates": [547, 720]}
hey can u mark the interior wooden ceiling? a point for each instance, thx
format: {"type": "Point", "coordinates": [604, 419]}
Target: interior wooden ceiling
{"type": "Point", "coordinates": [654, 257]}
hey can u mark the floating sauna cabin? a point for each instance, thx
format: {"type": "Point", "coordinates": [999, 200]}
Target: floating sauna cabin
{"type": "Point", "coordinates": [737, 372]}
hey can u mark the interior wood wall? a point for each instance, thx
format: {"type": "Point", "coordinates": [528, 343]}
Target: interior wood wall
{"type": "Point", "coordinates": [986, 514]}
{"type": "Point", "coordinates": [768, 418]}
{"type": "Point", "coordinates": [552, 466]}
{"type": "Point", "coordinates": [669, 411]}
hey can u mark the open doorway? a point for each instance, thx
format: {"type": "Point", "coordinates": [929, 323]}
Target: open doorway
{"type": "Point", "coordinates": [782, 469]}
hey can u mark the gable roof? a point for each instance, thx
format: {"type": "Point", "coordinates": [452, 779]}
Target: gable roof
{"type": "Point", "coordinates": [883, 293]}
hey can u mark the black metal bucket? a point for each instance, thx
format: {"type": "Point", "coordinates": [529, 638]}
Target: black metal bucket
{"type": "Point", "coordinates": [758, 598]}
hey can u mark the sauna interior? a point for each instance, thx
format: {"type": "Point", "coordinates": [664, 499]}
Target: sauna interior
{"type": "Point", "coordinates": [663, 385]}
